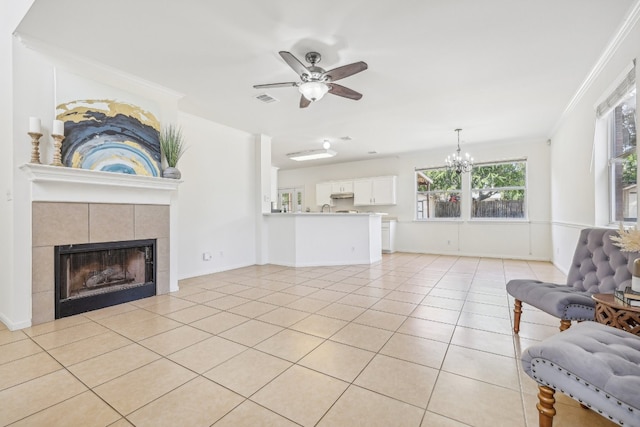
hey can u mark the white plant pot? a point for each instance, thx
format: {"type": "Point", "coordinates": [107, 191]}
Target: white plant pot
{"type": "Point", "coordinates": [635, 278]}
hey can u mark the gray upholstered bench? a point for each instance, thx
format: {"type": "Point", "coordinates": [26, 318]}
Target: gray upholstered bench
{"type": "Point", "coordinates": [597, 365]}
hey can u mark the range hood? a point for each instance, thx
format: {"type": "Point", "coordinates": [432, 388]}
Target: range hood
{"type": "Point", "coordinates": [341, 195]}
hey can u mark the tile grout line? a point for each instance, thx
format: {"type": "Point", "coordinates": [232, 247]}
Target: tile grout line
{"type": "Point", "coordinates": [380, 271]}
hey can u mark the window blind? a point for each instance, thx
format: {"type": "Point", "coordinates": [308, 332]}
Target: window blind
{"type": "Point", "coordinates": [625, 86]}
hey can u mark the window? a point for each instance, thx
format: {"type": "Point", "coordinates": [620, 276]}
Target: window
{"type": "Point", "coordinates": [499, 190]}
{"type": "Point", "coordinates": [616, 124]}
{"type": "Point", "coordinates": [623, 160]}
{"type": "Point", "coordinates": [291, 199]}
{"type": "Point", "coordinates": [438, 195]}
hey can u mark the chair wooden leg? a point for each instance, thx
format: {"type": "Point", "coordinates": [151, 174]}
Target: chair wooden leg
{"type": "Point", "coordinates": [546, 411]}
{"type": "Point", "coordinates": [517, 312]}
{"type": "Point", "coordinates": [565, 324]}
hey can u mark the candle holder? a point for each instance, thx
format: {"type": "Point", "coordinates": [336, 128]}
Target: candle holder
{"type": "Point", "coordinates": [35, 146]}
{"type": "Point", "coordinates": [57, 150]}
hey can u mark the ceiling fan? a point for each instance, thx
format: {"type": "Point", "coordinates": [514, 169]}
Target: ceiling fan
{"type": "Point", "coordinates": [315, 82]}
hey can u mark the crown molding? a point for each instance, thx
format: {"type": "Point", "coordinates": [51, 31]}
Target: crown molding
{"type": "Point", "coordinates": [619, 37]}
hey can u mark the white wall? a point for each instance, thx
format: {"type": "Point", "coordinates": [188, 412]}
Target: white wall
{"type": "Point", "coordinates": [578, 189]}
{"type": "Point", "coordinates": [33, 96]}
{"type": "Point", "coordinates": [10, 308]}
{"type": "Point", "coordinates": [217, 210]}
{"type": "Point", "coordinates": [512, 239]}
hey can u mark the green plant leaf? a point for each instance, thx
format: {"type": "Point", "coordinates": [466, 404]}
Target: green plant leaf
{"type": "Point", "coordinates": [172, 144]}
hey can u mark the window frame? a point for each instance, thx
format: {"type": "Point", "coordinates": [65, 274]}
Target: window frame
{"type": "Point", "coordinates": [289, 195]}
{"type": "Point", "coordinates": [615, 159]}
{"type": "Point", "coordinates": [524, 188]}
{"type": "Point", "coordinates": [418, 193]}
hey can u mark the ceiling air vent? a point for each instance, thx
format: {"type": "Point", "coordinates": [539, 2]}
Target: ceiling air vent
{"type": "Point", "coordinates": [266, 98]}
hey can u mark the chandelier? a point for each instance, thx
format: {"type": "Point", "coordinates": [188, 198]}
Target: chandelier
{"type": "Point", "coordinates": [456, 163]}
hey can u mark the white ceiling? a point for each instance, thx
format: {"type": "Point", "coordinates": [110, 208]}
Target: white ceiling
{"type": "Point", "coordinates": [502, 70]}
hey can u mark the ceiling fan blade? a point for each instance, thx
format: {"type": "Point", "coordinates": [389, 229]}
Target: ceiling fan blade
{"type": "Point", "coordinates": [304, 102]}
{"type": "Point", "coordinates": [294, 63]}
{"type": "Point", "coordinates": [268, 85]}
{"type": "Point", "coordinates": [346, 71]}
{"type": "Point", "coordinates": [340, 90]}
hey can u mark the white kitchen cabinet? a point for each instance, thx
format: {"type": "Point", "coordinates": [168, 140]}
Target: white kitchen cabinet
{"type": "Point", "coordinates": [389, 236]}
{"type": "Point", "coordinates": [384, 190]}
{"type": "Point", "coordinates": [362, 192]}
{"type": "Point", "coordinates": [342, 186]}
{"type": "Point", "coordinates": [323, 193]}
{"type": "Point", "coordinates": [374, 191]}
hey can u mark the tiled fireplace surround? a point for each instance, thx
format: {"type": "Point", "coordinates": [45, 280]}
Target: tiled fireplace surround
{"type": "Point", "coordinates": [75, 206]}
{"type": "Point", "coordinates": [60, 223]}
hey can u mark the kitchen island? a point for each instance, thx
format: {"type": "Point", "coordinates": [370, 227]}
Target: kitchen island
{"type": "Point", "coordinates": [315, 239]}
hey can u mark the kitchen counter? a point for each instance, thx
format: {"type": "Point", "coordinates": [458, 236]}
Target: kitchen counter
{"type": "Point", "coordinates": [305, 239]}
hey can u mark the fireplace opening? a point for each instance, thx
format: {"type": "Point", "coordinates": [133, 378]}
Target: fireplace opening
{"type": "Point", "coordinates": [97, 275]}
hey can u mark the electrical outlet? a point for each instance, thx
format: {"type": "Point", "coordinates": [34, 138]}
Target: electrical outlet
{"type": "Point", "coordinates": [221, 254]}
{"type": "Point", "coordinates": [206, 256]}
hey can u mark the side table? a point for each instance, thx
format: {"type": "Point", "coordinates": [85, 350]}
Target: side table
{"type": "Point", "coordinates": [610, 311]}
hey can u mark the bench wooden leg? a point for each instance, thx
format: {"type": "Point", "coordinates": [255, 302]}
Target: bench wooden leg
{"type": "Point", "coordinates": [565, 324]}
{"type": "Point", "coordinates": [546, 411]}
{"type": "Point", "coordinates": [517, 312]}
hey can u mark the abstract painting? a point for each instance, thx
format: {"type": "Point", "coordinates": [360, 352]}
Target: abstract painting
{"type": "Point", "coordinates": [107, 134]}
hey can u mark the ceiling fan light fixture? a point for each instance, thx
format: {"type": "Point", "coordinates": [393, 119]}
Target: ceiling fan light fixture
{"type": "Point", "coordinates": [313, 91]}
{"type": "Point", "coordinates": [302, 156]}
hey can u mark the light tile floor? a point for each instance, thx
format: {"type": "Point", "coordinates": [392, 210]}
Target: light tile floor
{"type": "Point", "coordinates": [415, 340]}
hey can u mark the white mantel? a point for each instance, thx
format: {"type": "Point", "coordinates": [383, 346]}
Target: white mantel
{"type": "Point", "coordinates": [63, 184]}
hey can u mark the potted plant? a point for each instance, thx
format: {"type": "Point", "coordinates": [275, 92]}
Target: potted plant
{"type": "Point", "coordinates": [172, 147]}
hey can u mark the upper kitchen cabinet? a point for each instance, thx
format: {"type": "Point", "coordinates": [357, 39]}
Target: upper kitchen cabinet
{"type": "Point", "coordinates": [380, 190]}
{"type": "Point", "coordinates": [342, 186]}
{"type": "Point", "coordinates": [323, 193]}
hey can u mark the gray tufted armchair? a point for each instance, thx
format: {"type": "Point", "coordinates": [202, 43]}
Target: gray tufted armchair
{"type": "Point", "coordinates": [598, 266]}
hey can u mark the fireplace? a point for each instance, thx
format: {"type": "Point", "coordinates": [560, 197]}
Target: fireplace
{"type": "Point", "coordinates": [97, 275]}
{"type": "Point", "coordinates": [72, 206]}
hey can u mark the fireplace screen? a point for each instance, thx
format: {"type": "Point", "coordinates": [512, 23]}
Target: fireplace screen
{"type": "Point", "coordinates": [91, 276]}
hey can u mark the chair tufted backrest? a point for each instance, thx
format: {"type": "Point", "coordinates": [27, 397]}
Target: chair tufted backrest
{"type": "Point", "coordinates": [598, 265]}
